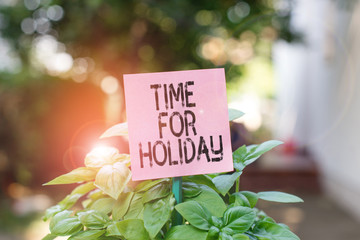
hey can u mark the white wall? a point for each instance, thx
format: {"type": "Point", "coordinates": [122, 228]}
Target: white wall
{"type": "Point", "coordinates": [319, 93]}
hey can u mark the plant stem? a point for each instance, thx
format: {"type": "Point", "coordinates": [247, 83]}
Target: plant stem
{"type": "Point", "coordinates": [237, 184]}
{"type": "Point", "coordinates": [177, 190]}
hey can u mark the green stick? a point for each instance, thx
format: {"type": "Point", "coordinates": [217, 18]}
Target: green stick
{"type": "Point", "coordinates": [237, 187]}
{"type": "Point", "coordinates": [177, 190]}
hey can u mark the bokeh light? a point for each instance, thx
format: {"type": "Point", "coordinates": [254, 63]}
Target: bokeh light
{"type": "Point", "coordinates": [28, 25]}
{"type": "Point", "coordinates": [220, 51]}
{"type": "Point", "coordinates": [55, 12]}
{"type": "Point", "coordinates": [109, 84]}
{"type": "Point", "coordinates": [50, 55]}
{"type": "Point", "coordinates": [31, 4]}
{"type": "Point", "coordinates": [238, 12]}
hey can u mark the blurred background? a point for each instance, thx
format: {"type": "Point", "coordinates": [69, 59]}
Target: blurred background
{"type": "Point", "coordinates": [291, 66]}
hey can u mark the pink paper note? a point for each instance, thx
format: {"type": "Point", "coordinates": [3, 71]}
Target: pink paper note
{"type": "Point", "coordinates": [178, 123]}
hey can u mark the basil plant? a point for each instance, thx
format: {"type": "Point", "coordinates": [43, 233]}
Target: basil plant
{"type": "Point", "coordinates": [111, 206]}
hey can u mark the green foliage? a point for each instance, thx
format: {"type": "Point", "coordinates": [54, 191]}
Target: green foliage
{"type": "Point", "coordinates": [159, 191]}
{"type": "Point", "coordinates": [157, 213]}
{"type": "Point", "coordinates": [93, 219]}
{"type": "Point", "coordinates": [77, 175]}
{"type": "Point", "coordinates": [122, 205]}
{"type": "Point", "coordinates": [244, 198]}
{"type": "Point", "coordinates": [224, 182]}
{"type": "Point", "coordinates": [246, 155]}
{"type": "Point", "coordinates": [209, 198]}
{"type": "Point", "coordinates": [185, 232]}
{"type": "Point", "coordinates": [201, 179]}
{"type": "Point", "coordinates": [279, 197]}
{"type": "Point", "coordinates": [234, 114]}
{"type": "Point", "coordinates": [195, 214]}
{"type": "Point", "coordinates": [239, 219]}
{"type": "Point", "coordinates": [62, 224]}
{"type": "Point", "coordinates": [89, 235]}
{"type": "Point", "coordinates": [132, 229]}
{"type": "Point", "coordinates": [104, 205]}
{"type": "Point", "coordinates": [136, 207]}
{"type": "Point", "coordinates": [272, 231]}
{"type": "Point", "coordinates": [49, 237]}
{"type": "Point", "coordinates": [210, 209]}
{"type": "Point", "coordinates": [191, 189]}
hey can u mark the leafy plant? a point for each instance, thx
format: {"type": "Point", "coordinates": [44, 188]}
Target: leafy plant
{"type": "Point", "coordinates": [114, 207]}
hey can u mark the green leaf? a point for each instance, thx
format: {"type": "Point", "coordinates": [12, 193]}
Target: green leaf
{"type": "Point", "coordinates": [73, 197]}
{"type": "Point", "coordinates": [120, 129]}
{"type": "Point", "coordinates": [50, 212]}
{"type": "Point", "coordinates": [225, 236]}
{"type": "Point", "coordinates": [84, 188]}
{"type": "Point", "coordinates": [272, 231]}
{"type": "Point", "coordinates": [104, 205]}
{"type": "Point", "coordinates": [224, 182]}
{"type": "Point", "coordinates": [212, 175]}
{"type": "Point", "coordinates": [93, 219]}
{"type": "Point", "coordinates": [131, 229]}
{"type": "Point", "coordinates": [86, 203]}
{"type": "Point", "coordinates": [261, 214]}
{"type": "Point", "coordinates": [107, 238]}
{"type": "Point", "coordinates": [112, 179]}
{"type": "Point", "coordinates": [208, 198]}
{"type": "Point", "coordinates": [255, 151]}
{"type": "Point", "coordinates": [244, 156]}
{"type": "Point", "coordinates": [240, 236]}
{"type": "Point", "coordinates": [282, 225]}
{"type": "Point", "coordinates": [146, 185]}
{"type": "Point", "coordinates": [158, 191]}
{"type": "Point", "coordinates": [239, 219]}
{"type": "Point", "coordinates": [251, 237]}
{"type": "Point", "coordinates": [101, 156]}
{"type": "Point", "coordinates": [195, 214]}
{"type": "Point", "coordinates": [279, 197]}
{"type": "Point", "coordinates": [213, 233]}
{"type": "Point", "coordinates": [244, 198]}
{"type": "Point", "coordinates": [156, 214]}
{"type": "Point", "coordinates": [251, 197]}
{"type": "Point", "coordinates": [122, 205]}
{"type": "Point", "coordinates": [113, 230]}
{"type": "Point", "coordinates": [88, 235]}
{"type": "Point", "coordinates": [76, 194]}
{"type": "Point", "coordinates": [49, 237]}
{"type": "Point", "coordinates": [234, 114]}
{"type": "Point", "coordinates": [217, 222]}
{"type": "Point", "coordinates": [239, 199]}
{"type": "Point", "coordinates": [190, 189]}
{"type": "Point", "coordinates": [136, 207]}
{"type": "Point", "coordinates": [239, 158]}
{"type": "Point", "coordinates": [69, 201]}
{"type": "Point", "coordinates": [77, 175]}
{"type": "Point", "coordinates": [268, 219]}
{"type": "Point", "coordinates": [228, 231]}
{"type": "Point", "coordinates": [96, 194]}
{"type": "Point", "coordinates": [62, 224]}
{"type": "Point", "coordinates": [200, 179]}
{"type": "Point", "coordinates": [185, 232]}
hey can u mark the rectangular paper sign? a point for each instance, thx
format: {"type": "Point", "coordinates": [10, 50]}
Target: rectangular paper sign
{"type": "Point", "coordinates": [178, 123]}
